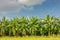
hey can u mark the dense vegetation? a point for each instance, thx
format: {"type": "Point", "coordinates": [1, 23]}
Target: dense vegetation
{"type": "Point", "coordinates": [31, 26]}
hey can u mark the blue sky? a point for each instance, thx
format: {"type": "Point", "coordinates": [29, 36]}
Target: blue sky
{"type": "Point", "coordinates": [39, 9]}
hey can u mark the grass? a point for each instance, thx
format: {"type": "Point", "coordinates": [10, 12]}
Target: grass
{"type": "Point", "coordinates": [30, 38]}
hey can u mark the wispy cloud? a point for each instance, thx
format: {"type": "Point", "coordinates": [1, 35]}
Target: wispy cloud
{"type": "Point", "coordinates": [16, 5]}
{"type": "Point", "coordinates": [31, 2]}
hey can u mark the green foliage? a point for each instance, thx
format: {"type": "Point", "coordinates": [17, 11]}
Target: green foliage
{"type": "Point", "coordinates": [30, 26]}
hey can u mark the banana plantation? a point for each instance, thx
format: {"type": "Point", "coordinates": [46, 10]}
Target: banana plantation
{"type": "Point", "coordinates": [30, 26]}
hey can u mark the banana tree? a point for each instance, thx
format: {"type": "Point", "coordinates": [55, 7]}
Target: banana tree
{"type": "Point", "coordinates": [3, 26]}
{"type": "Point", "coordinates": [11, 28]}
{"type": "Point", "coordinates": [56, 26]}
{"type": "Point", "coordinates": [23, 26]}
{"type": "Point", "coordinates": [0, 29]}
{"type": "Point", "coordinates": [16, 25]}
{"type": "Point", "coordinates": [33, 25]}
{"type": "Point", "coordinates": [49, 21]}
{"type": "Point", "coordinates": [40, 23]}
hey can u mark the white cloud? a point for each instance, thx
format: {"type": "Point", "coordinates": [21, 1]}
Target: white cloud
{"type": "Point", "coordinates": [16, 5]}
{"type": "Point", "coordinates": [31, 2]}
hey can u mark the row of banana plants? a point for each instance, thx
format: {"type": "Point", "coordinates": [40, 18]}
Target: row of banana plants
{"type": "Point", "coordinates": [30, 26]}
